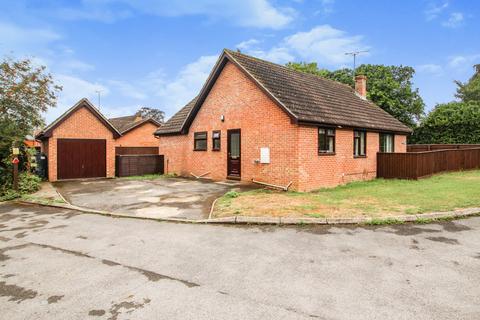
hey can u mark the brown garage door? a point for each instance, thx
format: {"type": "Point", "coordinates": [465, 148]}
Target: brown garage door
{"type": "Point", "coordinates": [81, 158]}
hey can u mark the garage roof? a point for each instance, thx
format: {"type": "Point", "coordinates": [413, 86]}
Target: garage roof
{"type": "Point", "coordinates": [83, 103]}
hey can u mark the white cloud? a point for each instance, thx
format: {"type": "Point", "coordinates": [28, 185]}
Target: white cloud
{"type": "Point", "coordinates": [435, 9]}
{"type": "Point", "coordinates": [175, 93]}
{"type": "Point", "coordinates": [74, 89]}
{"type": "Point", "coordinates": [323, 44]}
{"type": "Point", "coordinates": [247, 13]}
{"type": "Point", "coordinates": [455, 20]}
{"type": "Point", "coordinates": [127, 89]}
{"type": "Point", "coordinates": [248, 44]}
{"type": "Point", "coordinates": [463, 62]}
{"type": "Point", "coordinates": [73, 65]}
{"type": "Point", "coordinates": [326, 7]}
{"type": "Point", "coordinates": [275, 54]}
{"type": "Point", "coordinates": [22, 40]}
{"type": "Point", "coordinates": [430, 68]}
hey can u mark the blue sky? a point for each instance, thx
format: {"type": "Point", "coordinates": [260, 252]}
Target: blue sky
{"type": "Point", "coordinates": [158, 53]}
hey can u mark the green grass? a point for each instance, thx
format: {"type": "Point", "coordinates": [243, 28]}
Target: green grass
{"type": "Point", "coordinates": [382, 221]}
{"type": "Point", "coordinates": [150, 176]}
{"type": "Point", "coordinates": [378, 199]}
{"type": "Point", "coordinates": [41, 200]}
{"type": "Point", "coordinates": [438, 193]}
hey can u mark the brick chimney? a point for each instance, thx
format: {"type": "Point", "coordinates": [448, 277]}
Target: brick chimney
{"type": "Point", "coordinates": [361, 86]}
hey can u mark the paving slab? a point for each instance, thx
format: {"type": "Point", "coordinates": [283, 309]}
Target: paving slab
{"type": "Point", "coordinates": [158, 198]}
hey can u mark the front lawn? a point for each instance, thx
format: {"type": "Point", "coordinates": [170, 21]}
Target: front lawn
{"type": "Point", "coordinates": [377, 198]}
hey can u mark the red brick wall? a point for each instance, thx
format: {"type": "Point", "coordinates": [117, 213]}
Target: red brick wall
{"type": "Point", "coordinates": [173, 148]}
{"type": "Point", "coordinates": [82, 124]}
{"type": "Point", "coordinates": [293, 149]}
{"type": "Point", "coordinates": [139, 137]}
{"type": "Point", "coordinates": [318, 171]}
{"type": "Point", "coordinates": [400, 143]}
{"type": "Point", "coordinates": [244, 107]}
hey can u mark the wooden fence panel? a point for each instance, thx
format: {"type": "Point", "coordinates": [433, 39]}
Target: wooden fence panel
{"type": "Point", "coordinates": [137, 165]}
{"type": "Point", "coordinates": [414, 165]}
{"type": "Point", "coordinates": [434, 147]}
{"type": "Point", "coordinates": [135, 150]}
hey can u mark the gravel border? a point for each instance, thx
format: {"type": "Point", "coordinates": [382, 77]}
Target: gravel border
{"type": "Point", "coordinates": [426, 217]}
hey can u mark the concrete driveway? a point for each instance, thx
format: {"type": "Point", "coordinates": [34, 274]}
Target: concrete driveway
{"type": "Point", "coordinates": [158, 198]}
{"type": "Point", "coordinates": [60, 264]}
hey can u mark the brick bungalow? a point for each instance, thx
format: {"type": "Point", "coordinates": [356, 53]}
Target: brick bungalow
{"type": "Point", "coordinates": [256, 120]}
{"type": "Point", "coordinates": [82, 142]}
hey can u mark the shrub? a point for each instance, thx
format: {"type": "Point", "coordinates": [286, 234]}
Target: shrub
{"type": "Point", "coordinates": [9, 195]}
{"type": "Point", "coordinates": [231, 194]}
{"type": "Point", "coordinates": [28, 183]}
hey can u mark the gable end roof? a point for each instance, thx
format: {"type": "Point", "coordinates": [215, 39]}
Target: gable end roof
{"type": "Point", "coordinates": [128, 123]}
{"type": "Point", "coordinates": [306, 98]}
{"type": "Point", "coordinates": [83, 103]}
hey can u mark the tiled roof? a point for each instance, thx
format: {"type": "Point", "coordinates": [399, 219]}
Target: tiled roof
{"type": "Point", "coordinates": [127, 123]}
{"type": "Point", "coordinates": [305, 97]}
{"type": "Point", "coordinates": [122, 123]}
{"type": "Point", "coordinates": [176, 122]}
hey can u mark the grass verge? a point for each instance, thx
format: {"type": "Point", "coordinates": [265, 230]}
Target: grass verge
{"type": "Point", "coordinates": [378, 199]}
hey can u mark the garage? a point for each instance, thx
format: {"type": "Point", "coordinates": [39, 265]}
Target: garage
{"type": "Point", "coordinates": [82, 143]}
{"type": "Point", "coordinates": [81, 158]}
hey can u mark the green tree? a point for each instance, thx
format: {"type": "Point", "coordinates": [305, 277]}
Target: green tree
{"type": "Point", "coordinates": [469, 91]}
{"type": "Point", "coordinates": [454, 122]}
{"type": "Point", "coordinates": [156, 114]}
{"type": "Point", "coordinates": [389, 87]}
{"type": "Point", "coordinates": [26, 91]}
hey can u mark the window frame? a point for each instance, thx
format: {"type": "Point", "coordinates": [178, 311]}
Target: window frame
{"type": "Point", "coordinates": [323, 152]}
{"type": "Point", "coordinates": [219, 140]}
{"type": "Point", "coordinates": [382, 134]}
{"type": "Point", "coordinates": [195, 139]}
{"type": "Point", "coordinates": [364, 132]}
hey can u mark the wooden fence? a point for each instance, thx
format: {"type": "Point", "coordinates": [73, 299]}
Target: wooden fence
{"type": "Point", "coordinates": [414, 165]}
{"type": "Point", "coordinates": [137, 165]}
{"type": "Point", "coordinates": [135, 150]}
{"type": "Point", "coordinates": [434, 147]}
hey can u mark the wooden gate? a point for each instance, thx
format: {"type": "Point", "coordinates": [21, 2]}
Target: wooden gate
{"type": "Point", "coordinates": [138, 165]}
{"type": "Point", "coordinates": [81, 158]}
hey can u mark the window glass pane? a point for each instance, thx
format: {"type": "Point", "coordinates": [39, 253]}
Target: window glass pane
{"type": "Point", "coordinates": [362, 143]}
{"type": "Point", "coordinates": [200, 144]}
{"type": "Point", "coordinates": [326, 140]}
{"type": "Point", "coordinates": [200, 135]}
{"type": "Point", "coordinates": [331, 141]}
{"type": "Point", "coordinates": [234, 145]}
{"type": "Point", "coordinates": [216, 144]}
{"type": "Point", "coordinates": [389, 146]}
{"type": "Point", "coordinates": [321, 142]}
{"type": "Point", "coordinates": [216, 134]}
{"type": "Point", "coordinates": [386, 142]}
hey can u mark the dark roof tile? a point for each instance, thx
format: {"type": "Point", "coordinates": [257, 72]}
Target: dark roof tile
{"type": "Point", "coordinates": [306, 97]}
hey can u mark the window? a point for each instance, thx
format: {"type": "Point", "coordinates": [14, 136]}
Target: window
{"type": "Point", "coordinates": [326, 140]}
{"type": "Point", "coordinates": [200, 141]}
{"type": "Point", "coordinates": [359, 143]}
{"type": "Point", "coordinates": [216, 141]}
{"type": "Point", "coordinates": [387, 142]}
